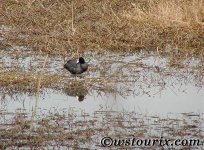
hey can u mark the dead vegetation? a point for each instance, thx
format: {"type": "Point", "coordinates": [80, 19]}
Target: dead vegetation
{"type": "Point", "coordinates": [174, 27]}
{"type": "Point", "coordinates": [65, 129]}
{"type": "Point", "coordinates": [16, 81]}
{"type": "Point", "coordinates": [116, 73]}
{"type": "Point", "coordinates": [58, 27]}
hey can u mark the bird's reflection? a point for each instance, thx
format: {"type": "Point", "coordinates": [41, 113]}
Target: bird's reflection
{"type": "Point", "coordinates": [81, 98]}
{"type": "Point", "coordinates": [76, 89]}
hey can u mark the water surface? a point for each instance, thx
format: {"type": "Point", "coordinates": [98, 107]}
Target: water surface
{"type": "Point", "coordinates": [141, 92]}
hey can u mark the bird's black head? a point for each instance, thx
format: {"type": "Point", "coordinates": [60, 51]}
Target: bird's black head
{"type": "Point", "coordinates": [81, 60]}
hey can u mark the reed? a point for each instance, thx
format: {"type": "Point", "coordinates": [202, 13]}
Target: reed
{"type": "Point", "coordinates": [38, 91]}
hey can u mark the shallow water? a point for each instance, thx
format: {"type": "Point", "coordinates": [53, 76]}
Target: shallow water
{"type": "Point", "coordinates": [145, 84]}
{"type": "Point", "coordinates": [168, 90]}
{"type": "Point", "coordinates": [169, 101]}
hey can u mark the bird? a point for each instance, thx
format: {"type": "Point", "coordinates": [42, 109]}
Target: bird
{"type": "Point", "coordinates": [75, 66]}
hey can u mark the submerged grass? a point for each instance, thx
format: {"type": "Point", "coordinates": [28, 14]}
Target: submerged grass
{"type": "Point", "coordinates": [65, 129]}
{"type": "Point", "coordinates": [121, 74]}
{"type": "Point", "coordinates": [17, 82]}
{"type": "Point", "coordinates": [58, 27]}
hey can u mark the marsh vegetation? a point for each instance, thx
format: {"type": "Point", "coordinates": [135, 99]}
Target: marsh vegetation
{"type": "Point", "coordinates": [55, 27]}
{"type": "Point", "coordinates": [137, 51]}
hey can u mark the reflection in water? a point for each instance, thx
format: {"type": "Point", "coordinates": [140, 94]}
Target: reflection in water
{"type": "Point", "coordinates": [125, 95]}
{"type": "Point", "coordinates": [64, 128]}
{"type": "Point", "coordinates": [80, 98]}
{"type": "Point", "coordinates": [183, 99]}
{"type": "Point", "coordinates": [76, 89]}
{"type": "Point", "coordinates": [142, 82]}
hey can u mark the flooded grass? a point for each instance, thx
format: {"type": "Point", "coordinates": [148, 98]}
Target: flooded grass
{"type": "Point", "coordinates": [65, 129]}
{"type": "Point", "coordinates": [16, 81]}
{"type": "Point", "coordinates": [108, 73]}
{"type": "Point", "coordinates": [124, 74]}
{"type": "Point", "coordinates": [70, 27]}
{"type": "Point", "coordinates": [134, 49]}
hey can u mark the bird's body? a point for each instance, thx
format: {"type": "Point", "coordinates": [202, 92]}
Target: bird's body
{"type": "Point", "coordinates": [75, 67]}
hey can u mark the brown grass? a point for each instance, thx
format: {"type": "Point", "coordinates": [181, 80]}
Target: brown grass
{"type": "Point", "coordinates": [16, 81]}
{"type": "Point", "coordinates": [68, 129]}
{"type": "Point", "coordinates": [56, 27]}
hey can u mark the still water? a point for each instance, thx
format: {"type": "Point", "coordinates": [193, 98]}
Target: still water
{"type": "Point", "coordinates": [122, 95]}
{"type": "Point", "coordinates": [155, 92]}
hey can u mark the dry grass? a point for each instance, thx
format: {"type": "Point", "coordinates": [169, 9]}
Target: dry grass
{"type": "Point", "coordinates": [16, 81]}
{"type": "Point", "coordinates": [56, 27]}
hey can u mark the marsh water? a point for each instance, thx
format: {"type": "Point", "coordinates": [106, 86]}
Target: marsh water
{"type": "Point", "coordinates": [141, 88]}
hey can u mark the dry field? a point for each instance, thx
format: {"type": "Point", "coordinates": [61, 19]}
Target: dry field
{"type": "Point", "coordinates": [58, 27]}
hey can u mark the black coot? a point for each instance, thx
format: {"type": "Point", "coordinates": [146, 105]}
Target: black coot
{"type": "Point", "coordinates": [76, 67]}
